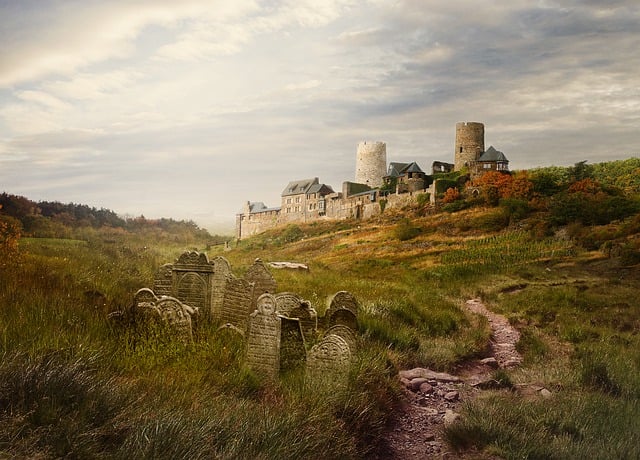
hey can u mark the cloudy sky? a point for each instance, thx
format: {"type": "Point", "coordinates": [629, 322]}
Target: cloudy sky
{"type": "Point", "coordinates": [188, 108]}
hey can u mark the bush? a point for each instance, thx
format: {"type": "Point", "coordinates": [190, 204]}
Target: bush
{"type": "Point", "coordinates": [405, 230]}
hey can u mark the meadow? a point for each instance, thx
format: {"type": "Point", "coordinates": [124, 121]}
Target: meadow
{"type": "Point", "coordinates": [73, 385]}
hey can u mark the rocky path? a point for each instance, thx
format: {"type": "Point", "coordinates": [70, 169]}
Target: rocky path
{"type": "Point", "coordinates": [432, 398]}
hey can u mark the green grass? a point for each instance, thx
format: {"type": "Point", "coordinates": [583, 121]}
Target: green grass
{"type": "Point", "coordinates": [115, 395]}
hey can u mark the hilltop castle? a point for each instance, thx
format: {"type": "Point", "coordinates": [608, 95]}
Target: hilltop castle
{"type": "Point", "coordinates": [375, 187]}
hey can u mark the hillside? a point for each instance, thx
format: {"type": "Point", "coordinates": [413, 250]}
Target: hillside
{"type": "Point", "coordinates": [559, 261]}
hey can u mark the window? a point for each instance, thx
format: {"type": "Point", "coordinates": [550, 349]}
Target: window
{"type": "Point", "coordinates": [288, 200]}
{"type": "Point", "coordinates": [486, 165]}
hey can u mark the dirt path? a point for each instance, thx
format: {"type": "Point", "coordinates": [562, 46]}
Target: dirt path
{"type": "Point", "coordinates": [432, 399]}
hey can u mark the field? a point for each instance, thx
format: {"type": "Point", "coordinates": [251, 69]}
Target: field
{"type": "Point", "coordinates": [72, 384]}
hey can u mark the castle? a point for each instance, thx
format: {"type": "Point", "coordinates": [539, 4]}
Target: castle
{"type": "Point", "coordinates": [376, 185]}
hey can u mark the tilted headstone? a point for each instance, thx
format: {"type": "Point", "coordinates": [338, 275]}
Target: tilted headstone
{"type": "Point", "coordinates": [263, 339]}
{"type": "Point", "coordinates": [292, 306]}
{"type": "Point", "coordinates": [166, 312]}
{"type": "Point", "coordinates": [236, 306]}
{"type": "Point", "coordinates": [329, 358]}
{"type": "Point", "coordinates": [229, 346]}
{"type": "Point", "coordinates": [262, 279]}
{"type": "Point", "coordinates": [163, 280]}
{"type": "Point", "coordinates": [292, 345]}
{"type": "Point", "coordinates": [343, 309]}
{"type": "Point", "coordinates": [221, 271]}
{"type": "Point", "coordinates": [191, 276]}
{"type": "Point", "coordinates": [348, 334]}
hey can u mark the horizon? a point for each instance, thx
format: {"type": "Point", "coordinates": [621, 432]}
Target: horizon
{"type": "Point", "coordinates": [186, 111]}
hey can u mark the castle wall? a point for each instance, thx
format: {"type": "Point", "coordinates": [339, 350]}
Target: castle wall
{"type": "Point", "coordinates": [371, 163]}
{"type": "Point", "coordinates": [469, 144]}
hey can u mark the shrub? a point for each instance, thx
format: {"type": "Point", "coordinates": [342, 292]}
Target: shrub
{"type": "Point", "coordinates": [405, 230]}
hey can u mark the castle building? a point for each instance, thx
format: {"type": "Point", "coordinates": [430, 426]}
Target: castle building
{"type": "Point", "coordinates": [307, 199]}
{"type": "Point", "coordinates": [304, 199]}
{"type": "Point", "coordinates": [470, 153]}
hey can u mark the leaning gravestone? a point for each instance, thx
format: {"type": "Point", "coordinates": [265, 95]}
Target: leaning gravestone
{"type": "Point", "coordinates": [292, 306]}
{"type": "Point", "coordinates": [292, 345]}
{"type": "Point", "coordinates": [168, 313]}
{"type": "Point", "coordinates": [348, 334]}
{"type": "Point", "coordinates": [163, 280]}
{"type": "Point", "coordinates": [329, 358]}
{"type": "Point", "coordinates": [221, 271]}
{"type": "Point", "coordinates": [236, 306]}
{"type": "Point", "coordinates": [262, 279]}
{"type": "Point", "coordinates": [343, 309]}
{"type": "Point", "coordinates": [263, 340]}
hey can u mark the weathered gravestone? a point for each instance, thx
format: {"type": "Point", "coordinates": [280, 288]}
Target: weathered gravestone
{"type": "Point", "coordinates": [330, 358]}
{"type": "Point", "coordinates": [292, 306]}
{"type": "Point", "coordinates": [163, 280]}
{"type": "Point", "coordinates": [165, 315]}
{"type": "Point", "coordinates": [348, 334]}
{"type": "Point", "coordinates": [263, 339]}
{"type": "Point", "coordinates": [343, 309]}
{"type": "Point", "coordinates": [262, 279]}
{"type": "Point", "coordinates": [292, 345]}
{"type": "Point", "coordinates": [229, 346]}
{"type": "Point", "coordinates": [221, 271]}
{"type": "Point", "coordinates": [236, 304]}
{"type": "Point", "coordinates": [191, 276]}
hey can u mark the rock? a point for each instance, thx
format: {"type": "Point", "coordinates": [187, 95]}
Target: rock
{"type": "Point", "coordinates": [450, 417]}
{"type": "Point", "coordinates": [429, 437]}
{"type": "Point", "coordinates": [414, 384]}
{"type": "Point", "coordinates": [426, 388]}
{"type": "Point", "coordinates": [405, 382]}
{"type": "Point", "coordinates": [452, 396]}
{"type": "Point", "coordinates": [545, 393]}
{"type": "Point", "coordinates": [428, 374]}
{"type": "Point", "coordinates": [289, 265]}
{"type": "Point", "coordinates": [491, 362]}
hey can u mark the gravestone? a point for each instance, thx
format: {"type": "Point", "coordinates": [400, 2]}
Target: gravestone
{"type": "Point", "coordinates": [292, 345]}
{"type": "Point", "coordinates": [221, 271]}
{"type": "Point", "coordinates": [348, 334]}
{"type": "Point", "coordinates": [292, 306]}
{"type": "Point", "coordinates": [262, 279]}
{"type": "Point", "coordinates": [169, 314]}
{"type": "Point", "coordinates": [329, 358]}
{"type": "Point", "coordinates": [236, 305]}
{"type": "Point", "coordinates": [163, 280]}
{"type": "Point", "coordinates": [263, 339]}
{"type": "Point", "coordinates": [191, 277]}
{"type": "Point", "coordinates": [229, 346]}
{"type": "Point", "coordinates": [343, 309]}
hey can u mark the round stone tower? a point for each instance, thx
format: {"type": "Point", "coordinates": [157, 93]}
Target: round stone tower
{"type": "Point", "coordinates": [371, 163]}
{"type": "Point", "coordinates": [469, 143]}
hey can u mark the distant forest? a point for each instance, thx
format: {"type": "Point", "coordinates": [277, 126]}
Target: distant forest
{"type": "Point", "coordinates": [52, 219]}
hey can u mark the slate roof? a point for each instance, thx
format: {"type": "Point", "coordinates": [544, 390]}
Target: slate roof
{"type": "Point", "coordinates": [399, 169]}
{"type": "Point", "coordinates": [493, 155]}
{"type": "Point", "coordinates": [317, 188]}
{"type": "Point", "coordinates": [259, 206]}
{"type": "Point", "coordinates": [299, 186]}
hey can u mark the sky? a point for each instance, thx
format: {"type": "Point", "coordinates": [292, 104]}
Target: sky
{"type": "Point", "coordinates": [187, 109]}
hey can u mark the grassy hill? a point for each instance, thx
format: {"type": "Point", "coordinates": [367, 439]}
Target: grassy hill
{"type": "Point", "coordinates": [72, 384]}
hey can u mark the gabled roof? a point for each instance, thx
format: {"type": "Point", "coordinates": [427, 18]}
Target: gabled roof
{"type": "Point", "coordinates": [493, 155]}
{"type": "Point", "coordinates": [400, 169]}
{"type": "Point", "coordinates": [299, 186]}
{"type": "Point", "coordinates": [319, 188]}
{"type": "Point", "coordinates": [259, 206]}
